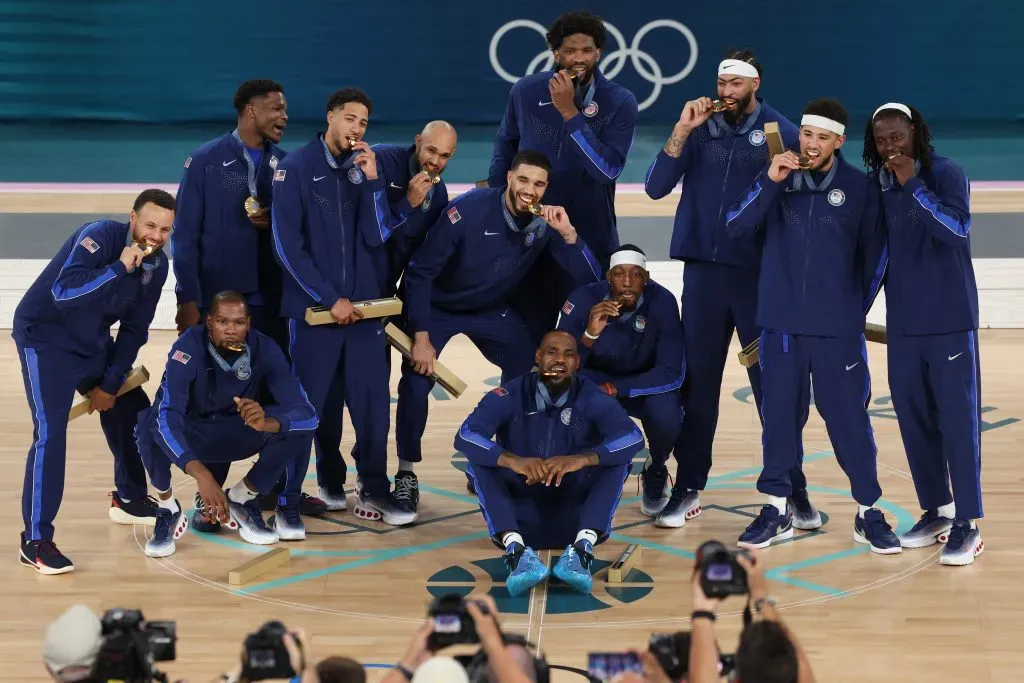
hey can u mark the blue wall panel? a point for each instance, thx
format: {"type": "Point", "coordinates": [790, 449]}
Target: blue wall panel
{"type": "Point", "coordinates": [167, 61]}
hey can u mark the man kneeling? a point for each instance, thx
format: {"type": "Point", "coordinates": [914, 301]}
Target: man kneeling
{"type": "Point", "coordinates": [564, 449]}
{"type": "Point", "coordinates": [208, 410]}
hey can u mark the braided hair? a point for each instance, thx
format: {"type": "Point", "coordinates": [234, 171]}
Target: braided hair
{"type": "Point", "coordinates": [922, 138]}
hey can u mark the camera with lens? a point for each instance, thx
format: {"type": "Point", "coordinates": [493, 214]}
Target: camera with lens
{"type": "Point", "coordinates": [130, 647]}
{"type": "Point", "coordinates": [453, 624]}
{"type": "Point", "coordinates": [265, 654]}
{"type": "Point", "coordinates": [672, 650]}
{"type": "Point", "coordinates": [720, 574]}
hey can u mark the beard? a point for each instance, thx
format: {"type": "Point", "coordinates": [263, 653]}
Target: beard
{"type": "Point", "coordinates": [734, 116]}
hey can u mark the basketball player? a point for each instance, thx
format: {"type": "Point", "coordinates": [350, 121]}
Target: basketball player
{"type": "Point", "coordinates": [584, 124]}
{"type": "Point", "coordinates": [718, 155]}
{"type": "Point", "coordinates": [631, 346]}
{"type": "Point", "coordinates": [931, 301]}
{"type": "Point", "coordinates": [208, 410]}
{"type": "Point", "coordinates": [463, 277]}
{"type": "Point", "coordinates": [331, 220]}
{"type": "Point", "coordinates": [106, 272]}
{"type": "Point", "coordinates": [822, 261]}
{"type": "Point", "coordinates": [561, 451]}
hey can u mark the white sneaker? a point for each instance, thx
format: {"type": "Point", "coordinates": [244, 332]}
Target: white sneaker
{"type": "Point", "coordinates": [251, 525]}
{"type": "Point", "coordinates": [335, 503]}
{"type": "Point", "coordinates": [288, 524]}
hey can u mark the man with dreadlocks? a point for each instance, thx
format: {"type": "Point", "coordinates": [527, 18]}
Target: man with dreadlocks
{"type": "Point", "coordinates": [932, 319]}
{"type": "Point", "coordinates": [820, 270]}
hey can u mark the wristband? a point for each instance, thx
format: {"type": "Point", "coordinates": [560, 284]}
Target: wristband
{"type": "Point", "coordinates": [586, 333]}
{"type": "Point", "coordinates": [761, 602]}
{"type": "Point", "coordinates": [703, 614]}
{"type": "Point", "coordinates": [402, 670]}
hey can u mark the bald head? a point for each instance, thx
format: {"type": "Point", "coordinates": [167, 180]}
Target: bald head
{"type": "Point", "coordinates": [435, 146]}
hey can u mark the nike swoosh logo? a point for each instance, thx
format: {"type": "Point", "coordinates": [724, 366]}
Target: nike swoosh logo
{"type": "Point", "coordinates": [397, 187]}
{"type": "Point", "coordinates": [790, 189]}
{"type": "Point", "coordinates": [543, 104]}
{"type": "Point", "coordinates": [228, 163]}
{"type": "Point", "coordinates": [956, 356]}
{"type": "Point", "coordinates": [491, 234]}
{"type": "Point", "coordinates": [851, 367]}
{"type": "Point", "coordinates": [317, 180]}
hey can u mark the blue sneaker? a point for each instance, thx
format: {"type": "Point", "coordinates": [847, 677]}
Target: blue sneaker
{"type": "Point", "coordinates": [248, 517]}
{"type": "Point", "coordinates": [769, 527]}
{"type": "Point", "coordinates": [288, 523]}
{"type": "Point", "coordinates": [199, 521]}
{"type": "Point", "coordinates": [874, 530]}
{"type": "Point", "coordinates": [44, 557]}
{"type": "Point", "coordinates": [656, 490]}
{"type": "Point", "coordinates": [964, 544]}
{"type": "Point", "coordinates": [169, 527]}
{"type": "Point", "coordinates": [929, 530]}
{"type": "Point", "coordinates": [525, 569]}
{"type": "Point", "coordinates": [574, 566]}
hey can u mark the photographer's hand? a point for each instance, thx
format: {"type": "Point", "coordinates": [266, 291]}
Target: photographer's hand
{"type": "Point", "coordinates": [486, 620]}
{"type": "Point", "coordinates": [415, 654]}
{"type": "Point", "coordinates": [703, 667]}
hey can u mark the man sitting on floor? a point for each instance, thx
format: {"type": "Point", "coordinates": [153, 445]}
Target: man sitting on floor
{"type": "Point", "coordinates": [562, 452]}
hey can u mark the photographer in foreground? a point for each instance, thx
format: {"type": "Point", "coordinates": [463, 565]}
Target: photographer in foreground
{"type": "Point", "coordinates": [447, 625]}
{"type": "Point", "coordinates": [273, 654]}
{"type": "Point", "coordinates": [768, 652]}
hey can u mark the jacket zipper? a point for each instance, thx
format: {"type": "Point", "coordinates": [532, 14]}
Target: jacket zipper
{"type": "Point", "coordinates": [721, 205]}
{"type": "Point", "coordinates": [807, 255]}
{"type": "Point", "coordinates": [341, 219]}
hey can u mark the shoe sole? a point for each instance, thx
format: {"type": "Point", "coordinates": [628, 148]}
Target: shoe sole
{"type": "Point", "coordinates": [964, 560]}
{"type": "Point", "coordinates": [809, 525]}
{"type": "Point", "coordinates": [288, 533]}
{"type": "Point", "coordinates": [784, 536]}
{"type": "Point", "coordinates": [119, 516]}
{"type": "Point", "coordinates": [43, 569]}
{"type": "Point", "coordinates": [926, 541]}
{"type": "Point", "coordinates": [860, 538]}
{"type": "Point", "coordinates": [252, 536]}
{"type": "Point", "coordinates": [179, 531]}
{"type": "Point", "coordinates": [668, 523]}
{"type": "Point", "coordinates": [370, 513]}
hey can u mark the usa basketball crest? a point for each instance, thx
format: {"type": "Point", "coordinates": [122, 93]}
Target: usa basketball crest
{"type": "Point", "coordinates": [566, 416]}
{"type": "Point", "coordinates": [531, 237]}
{"type": "Point", "coordinates": [640, 324]}
{"type": "Point", "coordinates": [147, 277]}
{"type": "Point", "coordinates": [836, 197]}
{"type": "Point", "coordinates": [273, 162]}
{"type": "Point", "coordinates": [756, 137]}
{"type": "Point", "coordinates": [590, 111]}
{"type": "Point", "coordinates": [355, 175]}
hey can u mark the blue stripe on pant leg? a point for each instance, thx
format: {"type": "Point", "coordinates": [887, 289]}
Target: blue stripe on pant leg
{"type": "Point", "coordinates": [481, 502]}
{"type": "Point", "coordinates": [39, 450]}
{"type": "Point", "coordinates": [975, 392]}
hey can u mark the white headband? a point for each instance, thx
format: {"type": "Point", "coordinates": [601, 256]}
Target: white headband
{"type": "Point", "coordinates": [822, 122]}
{"type": "Point", "coordinates": [894, 105]}
{"type": "Point", "coordinates": [734, 67]}
{"type": "Point", "coordinates": [628, 258]}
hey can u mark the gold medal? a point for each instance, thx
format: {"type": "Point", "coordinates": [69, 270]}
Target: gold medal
{"type": "Point", "coordinates": [352, 142]}
{"type": "Point", "coordinates": [252, 205]}
{"type": "Point", "coordinates": [435, 179]}
{"type": "Point", "coordinates": [807, 158]}
{"type": "Point", "coordinates": [145, 247]}
{"type": "Point", "coordinates": [235, 347]}
{"type": "Point", "coordinates": [535, 209]}
{"type": "Point", "coordinates": [720, 105]}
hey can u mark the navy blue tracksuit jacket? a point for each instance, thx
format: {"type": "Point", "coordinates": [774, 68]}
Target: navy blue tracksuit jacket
{"type": "Point", "coordinates": [461, 281]}
{"type": "Point", "coordinates": [823, 261]}
{"type": "Point", "coordinates": [717, 164]}
{"type": "Point", "coordinates": [194, 416]}
{"type": "Point", "coordinates": [931, 301]}
{"type": "Point", "coordinates": [640, 353]}
{"type": "Point", "coordinates": [62, 331]}
{"type": "Point", "coordinates": [521, 418]}
{"type": "Point", "coordinates": [330, 225]}
{"type": "Point", "coordinates": [398, 165]}
{"type": "Point", "coordinates": [215, 246]}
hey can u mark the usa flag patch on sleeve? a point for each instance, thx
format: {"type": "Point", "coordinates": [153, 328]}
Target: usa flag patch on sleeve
{"type": "Point", "coordinates": [567, 307]}
{"type": "Point", "coordinates": [181, 357]}
{"type": "Point", "coordinates": [453, 215]}
{"type": "Point", "coordinates": [500, 391]}
{"type": "Point", "coordinates": [90, 245]}
{"type": "Point", "coordinates": [279, 174]}
{"type": "Point", "coordinates": [188, 161]}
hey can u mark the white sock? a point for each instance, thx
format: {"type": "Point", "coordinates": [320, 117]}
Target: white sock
{"type": "Point", "coordinates": [779, 503]}
{"type": "Point", "coordinates": [512, 537]}
{"type": "Point", "coordinates": [948, 511]}
{"type": "Point", "coordinates": [405, 466]}
{"type": "Point", "coordinates": [861, 509]}
{"type": "Point", "coordinates": [240, 493]}
{"type": "Point", "coordinates": [169, 504]}
{"type": "Point", "coordinates": [586, 535]}
{"type": "Point", "coordinates": [974, 524]}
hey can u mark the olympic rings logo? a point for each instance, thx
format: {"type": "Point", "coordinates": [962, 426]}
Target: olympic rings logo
{"type": "Point", "coordinates": [611, 63]}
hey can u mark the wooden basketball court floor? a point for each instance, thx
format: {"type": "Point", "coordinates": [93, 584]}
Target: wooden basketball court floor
{"type": "Point", "coordinates": [361, 588]}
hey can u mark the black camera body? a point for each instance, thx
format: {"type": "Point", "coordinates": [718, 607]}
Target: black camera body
{"type": "Point", "coordinates": [453, 624]}
{"type": "Point", "coordinates": [265, 654]}
{"type": "Point", "coordinates": [720, 574]}
{"type": "Point", "coordinates": [672, 650]}
{"type": "Point", "coordinates": [131, 645]}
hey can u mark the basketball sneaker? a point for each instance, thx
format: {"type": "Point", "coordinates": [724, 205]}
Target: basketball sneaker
{"type": "Point", "coordinates": [805, 516]}
{"type": "Point", "coordinates": [683, 505]}
{"type": "Point", "coordinates": [311, 506]}
{"type": "Point", "coordinates": [525, 569]}
{"type": "Point", "coordinates": [929, 530]}
{"type": "Point", "coordinates": [141, 511]}
{"type": "Point", "coordinates": [44, 557]}
{"type": "Point", "coordinates": [964, 544]}
{"type": "Point", "coordinates": [657, 491]}
{"type": "Point", "coordinates": [288, 523]}
{"type": "Point", "coordinates": [335, 502]}
{"type": "Point", "coordinates": [407, 489]}
{"type": "Point", "coordinates": [573, 566]}
{"type": "Point", "coordinates": [251, 525]}
{"type": "Point", "coordinates": [384, 508]}
{"type": "Point", "coordinates": [876, 532]}
{"type": "Point", "coordinates": [170, 526]}
{"type": "Point", "coordinates": [199, 520]}
{"type": "Point", "coordinates": [769, 527]}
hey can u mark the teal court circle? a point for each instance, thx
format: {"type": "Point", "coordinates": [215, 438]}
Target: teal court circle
{"type": "Point", "coordinates": [463, 578]}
